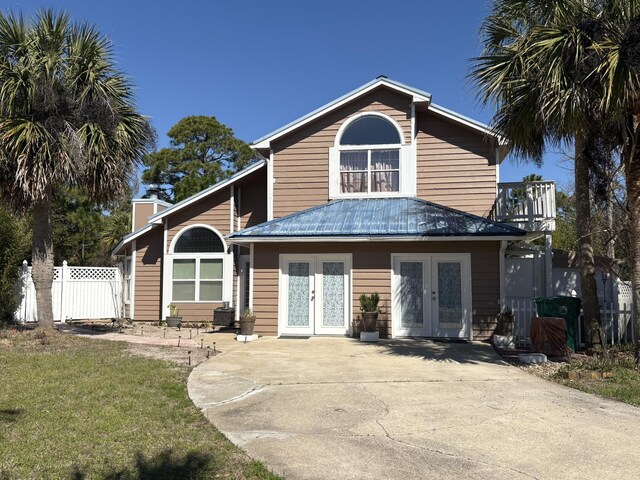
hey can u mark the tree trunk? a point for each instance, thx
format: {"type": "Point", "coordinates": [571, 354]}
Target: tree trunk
{"type": "Point", "coordinates": [42, 261]}
{"type": "Point", "coordinates": [590, 305]}
{"type": "Point", "coordinates": [631, 158]}
{"type": "Point", "coordinates": [610, 245]}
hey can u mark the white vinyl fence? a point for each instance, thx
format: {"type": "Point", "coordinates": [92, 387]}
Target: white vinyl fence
{"type": "Point", "coordinates": [617, 321]}
{"type": "Point", "coordinates": [77, 293]}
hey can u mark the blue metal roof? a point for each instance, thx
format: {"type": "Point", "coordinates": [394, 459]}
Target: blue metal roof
{"type": "Point", "coordinates": [383, 217]}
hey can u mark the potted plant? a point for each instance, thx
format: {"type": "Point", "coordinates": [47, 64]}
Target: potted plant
{"type": "Point", "coordinates": [247, 322]}
{"type": "Point", "coordinates": [370, 310]}
{"type": "Point", "coordinates": [503, 335]}
{"type": "Point", "coordinates": [174, 319]}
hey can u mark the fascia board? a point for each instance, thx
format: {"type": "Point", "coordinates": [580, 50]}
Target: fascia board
{"type": "Point", "coordinates": [416, 95]}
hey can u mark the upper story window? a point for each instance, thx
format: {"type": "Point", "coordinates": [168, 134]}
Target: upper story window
{"type": "Point", "coordinates": [370, 159]}
{"type": "Point", "coordinates": [370, 156]}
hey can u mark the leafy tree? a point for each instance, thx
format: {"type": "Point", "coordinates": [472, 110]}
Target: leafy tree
{"type": "Point", "coordinates": [604, 230]}
{"type": "Point", "coordinates": [77, 223]}
{"type": "Point", "coordinates": [13, 249]}
{"type": "Point", "coordinates": [67, 117]}
{"type": "Point", "coordinates": [203, 151]}
{"type": "Point", "coordinates": [115, 226]}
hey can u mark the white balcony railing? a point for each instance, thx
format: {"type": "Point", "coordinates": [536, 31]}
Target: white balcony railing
{"type": "Point", "coordinates": [530, 206]}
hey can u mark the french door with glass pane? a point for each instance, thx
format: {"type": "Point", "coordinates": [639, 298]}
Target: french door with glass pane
{"type": "Point", "coordinates": [314, 294]}
{"type": "Point", "coordinates": [432, 295]}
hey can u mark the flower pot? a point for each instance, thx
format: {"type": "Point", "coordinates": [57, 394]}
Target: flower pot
{"type": "Point", "coordinates": [246, 325]}
{"type": "Point", "coordinates": [173, 321]}
{"type": "Point", "coordinates": [370, 321]}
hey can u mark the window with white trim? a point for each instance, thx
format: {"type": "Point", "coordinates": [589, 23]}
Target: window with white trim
{"type": "Point", "coordinates": [198, 266]}
{"type": "Point", "coordinates": [370, 156]}
{"type": "Point", "coordinates": [369, 159]}
{"type": "Point", "coordinates": [126, 274]}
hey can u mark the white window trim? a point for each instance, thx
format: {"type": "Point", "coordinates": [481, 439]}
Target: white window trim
{"type": "Point", "coordinates": [128, 279]}
{"type": "Point", "coordinates": [198, 257]}
{"type": "Point", "coordinates": [227, 270]}
{"type": "Point", "coordinates": [407, 162]}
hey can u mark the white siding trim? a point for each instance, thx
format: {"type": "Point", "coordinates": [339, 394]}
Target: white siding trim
{"type": "Point", "coordinates": [227, 278]}
{"type": "Point", "coordinates": [166, 274]}
{"type": "Point", "coordinates": [251, 276]}
{"type": "Point", "coordinates": [503, 274]}
{"type": "Point", "coordinates": [231, 205]}
{"type": "Point", "coordinates": [270, 181]}
{"type": "Point", "coordinates": [132, 305]}
{"type": "Point", "coordinates": [239, 208]}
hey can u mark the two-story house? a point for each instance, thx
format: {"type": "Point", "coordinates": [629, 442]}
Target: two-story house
{"type": "Point", "coordinates": [380, 190]}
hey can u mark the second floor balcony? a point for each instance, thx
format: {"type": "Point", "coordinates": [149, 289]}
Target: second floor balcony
{"type": "Point", "coordinates": [530, 206]}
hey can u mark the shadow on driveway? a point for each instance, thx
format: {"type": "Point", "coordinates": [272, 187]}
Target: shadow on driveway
{"type": "Point", "coordinates": [445, 351]}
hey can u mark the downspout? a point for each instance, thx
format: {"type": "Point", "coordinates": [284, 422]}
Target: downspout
{"type": "Point", "coordinates": [503, 276]}
{"type": "Point", "coordinates": [548, 265]}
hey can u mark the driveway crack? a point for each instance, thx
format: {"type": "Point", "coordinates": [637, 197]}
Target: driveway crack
{"type": "Point", "coordinates": [435, 450]}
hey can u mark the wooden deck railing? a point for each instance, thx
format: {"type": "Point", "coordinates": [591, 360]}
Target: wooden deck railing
{"type": "Point", "coordinates": [531, 205]}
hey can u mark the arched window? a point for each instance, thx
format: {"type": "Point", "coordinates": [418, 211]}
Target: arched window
{"type": "Point", "coordinates": [197, 266]}
{"type": "Point", "coordinates": [200, 240]}
{"type": "Point", "coordinates": [370, 130]}
{"type": "Point", "coordinates": [370, 156]}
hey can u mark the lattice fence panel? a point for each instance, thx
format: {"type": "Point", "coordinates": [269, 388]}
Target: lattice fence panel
{"type": "Point", "coordinates": [93, 273]}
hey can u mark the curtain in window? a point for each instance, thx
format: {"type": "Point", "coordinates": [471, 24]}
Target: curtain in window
{"type": "Point", "coordinates": [353, 172]}
{"type": "Point", "coordinates": [385, 171]}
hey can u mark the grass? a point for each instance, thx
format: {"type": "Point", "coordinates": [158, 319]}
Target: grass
{"type": "Point", "coordinates": [624, 385]}
{"type": "Point", "coordinates": [78, 408]}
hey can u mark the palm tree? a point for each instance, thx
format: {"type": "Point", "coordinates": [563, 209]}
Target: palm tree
{"type": "Point", "coordinates": [620, 70]}
{"type": "Point", "coordinates": [67, 117]}
{"type": "Point", "coordinates": [535, 67]}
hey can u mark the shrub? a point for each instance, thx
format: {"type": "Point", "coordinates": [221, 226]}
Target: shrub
{"type": "Point", "coordinates": [13, 248]}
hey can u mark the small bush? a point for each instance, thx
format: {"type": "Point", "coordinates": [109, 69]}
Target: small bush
{"type": "Point", "coordinates": [13, 248]}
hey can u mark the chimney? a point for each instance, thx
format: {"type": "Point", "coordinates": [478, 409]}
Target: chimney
{"type": "Point", "coordinates": [152, 191]}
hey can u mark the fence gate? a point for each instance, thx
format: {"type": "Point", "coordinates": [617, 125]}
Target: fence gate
{"type": "Point", "coordinates": [77, 293]}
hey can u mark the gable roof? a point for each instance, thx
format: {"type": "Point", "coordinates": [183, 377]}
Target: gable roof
{"type": "Point", "coordinates": [382, 219]}
{"type": "Point", "coordinates": [156, 219]}
{"type": "Point", "coordinates": [419, 96]}
{"type": "Point", "coordinates": [132, 236]}
{"type": "Point", "coordinates": [207, 191]}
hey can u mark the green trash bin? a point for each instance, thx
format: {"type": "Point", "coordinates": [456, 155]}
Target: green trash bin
{"type": "Point", "coordinates": [565, 307]}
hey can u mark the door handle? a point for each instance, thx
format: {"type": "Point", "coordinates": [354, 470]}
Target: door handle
{"type": "Point", "coordinates": [433, 296]}
{"type": "Point", "coordinates": [313, 295]}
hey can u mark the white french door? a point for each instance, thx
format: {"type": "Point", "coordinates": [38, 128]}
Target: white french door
{"type": "Point", "coordinates": [431, 295]}
{"type": "Point", "coordinates": [314, 294]}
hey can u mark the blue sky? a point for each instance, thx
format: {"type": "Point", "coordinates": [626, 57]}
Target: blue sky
{"type": "Point", "coordinates": [258, 65]}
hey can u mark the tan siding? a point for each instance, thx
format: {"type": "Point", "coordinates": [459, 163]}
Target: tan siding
{"type": "Point", "coordinates": [197, 312]}
{"type": "Point", "coordinates": [456, 167]}
{"type": "Point", "coordinates": [372, 272]}
{"type": "Point", "coordinates": [142, 212]}
{"type": "Point", "coordinates": [148, 276]}
{"type": "Point", "coordinates": [213, 210]}
{"type": "Point", "coordinates": [301, 165]}
{"type": "Point", "coordinates": [253, 199]}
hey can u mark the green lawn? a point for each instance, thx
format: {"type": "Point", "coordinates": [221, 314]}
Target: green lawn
{"type": "Point", "coordinates": [624, 385]}
{"type": "Point", "coordinates": [79, 408]}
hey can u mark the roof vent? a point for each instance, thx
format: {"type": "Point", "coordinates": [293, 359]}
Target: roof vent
{"type": "Point", "coordinates": [381, 76]}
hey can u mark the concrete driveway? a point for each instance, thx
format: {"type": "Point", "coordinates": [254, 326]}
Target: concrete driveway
{"type": "Point", "coordinates": [324, 408]}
